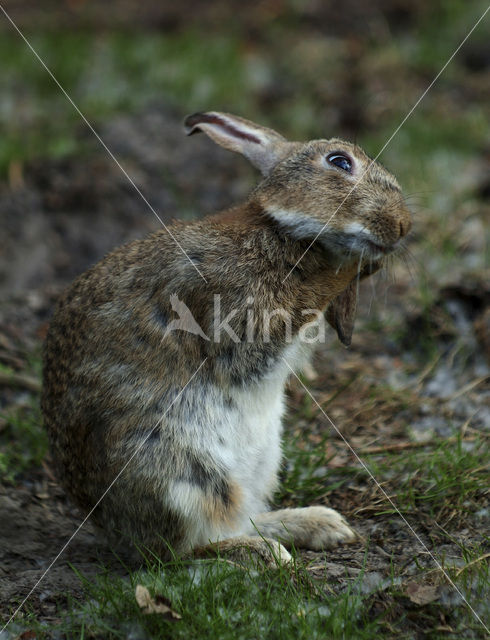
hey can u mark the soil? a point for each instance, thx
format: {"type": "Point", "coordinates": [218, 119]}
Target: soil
{"type": "Point", "coordinates": [253, 16]}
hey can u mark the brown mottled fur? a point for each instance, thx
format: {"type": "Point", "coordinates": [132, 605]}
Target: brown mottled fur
{"type": "Point", "coordinates": [112, 377]}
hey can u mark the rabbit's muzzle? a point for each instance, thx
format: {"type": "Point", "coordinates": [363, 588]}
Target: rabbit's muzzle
{"type": "Point", "coordinates": [385, 229]}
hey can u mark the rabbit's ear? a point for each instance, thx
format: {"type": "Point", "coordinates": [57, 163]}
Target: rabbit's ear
{"type": "Point", "coordinates": [341, 313]}
{"type": "Point", "coordinates": [263, 147]}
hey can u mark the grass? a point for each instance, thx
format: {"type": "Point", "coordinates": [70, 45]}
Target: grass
{"type": "Point", "coordinates": [106, 75]}
{"type": "Point", "coordinates": [442, 482]}
{"type": "Point", "coordinates": [23, 441]}
{"type": "Point", "coordinates": [119, 72]}
{"type": "Point", "coordinates": [307, 476]}
{"type": "Point", "coordinates": [218, 600]}
{"type": "Point", "coordinates": [448, 478]}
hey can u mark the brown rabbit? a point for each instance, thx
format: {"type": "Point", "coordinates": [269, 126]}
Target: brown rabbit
{"type": "Point", "coordinates": [165, 365]}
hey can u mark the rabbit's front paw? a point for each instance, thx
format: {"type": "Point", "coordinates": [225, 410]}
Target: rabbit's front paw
{"type": "Point", "coordinates": [326, 528]}
{"type": "Point", "coordinates": [307, 527]}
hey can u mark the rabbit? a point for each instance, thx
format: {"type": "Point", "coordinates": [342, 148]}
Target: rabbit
{"type": "Point", "coordinates": [170, 422]}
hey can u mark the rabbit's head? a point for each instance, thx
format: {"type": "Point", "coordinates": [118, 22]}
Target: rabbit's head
{"type": "Point", "coordinates": [324, 191]}
{"type": "Point", "coordinates": [328, 190]}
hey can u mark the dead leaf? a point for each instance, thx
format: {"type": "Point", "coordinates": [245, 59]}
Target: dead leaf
{"type": "Point", "coordinates": [27, 635]}
{"type": "Point", "coordinates": [421, 593]}
{"type": "Point", "coordinates": [159, 604]}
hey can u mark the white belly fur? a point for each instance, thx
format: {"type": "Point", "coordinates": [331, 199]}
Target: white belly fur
{"type": "Point", "coordinates": [243, 439]}
{"type": "Point", "coordinates": [249, 443]}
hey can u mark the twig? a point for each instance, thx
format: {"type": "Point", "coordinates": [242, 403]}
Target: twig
{"type": "Point", "coordinates": [19, 380]}
{"type": "Point", "coordinates": [468, 387]}
{"type": "Point", "coordinates": [482, 433]}
{"type": "Point", "coordinates": [426, 372]}
{"type": "Point", "coordinates": [48, 471]}
{"type": "Point", "coordinates": [400, 446]}
{"type": "Point", "coordinates": [459, 571]}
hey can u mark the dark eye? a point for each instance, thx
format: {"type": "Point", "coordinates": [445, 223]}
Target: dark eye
{"type": "Point", "coordinates": [341, 161]}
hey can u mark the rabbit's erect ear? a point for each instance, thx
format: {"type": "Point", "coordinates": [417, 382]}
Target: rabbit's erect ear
{"type": "Point", "coordinates": [263, 147]}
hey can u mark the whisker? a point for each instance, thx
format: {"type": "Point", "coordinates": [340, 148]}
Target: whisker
{"type": "Point", "coordinates": [411, 261]}
{"type": "Point", "coordinates": [420, 193]}
{"type": "Point", "coordinates": [373, 293]}
{"type": "Point", "coordinates": [359, 272]}
{"type": "Point", "coordinates": [394, 206]}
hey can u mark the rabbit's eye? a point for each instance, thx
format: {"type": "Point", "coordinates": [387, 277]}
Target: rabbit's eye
{"type": "Point", "coordinates": [341, 161]}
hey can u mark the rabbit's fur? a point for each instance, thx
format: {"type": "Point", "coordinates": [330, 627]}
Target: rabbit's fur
{"type": "Point", "coordinates": [200, 452]}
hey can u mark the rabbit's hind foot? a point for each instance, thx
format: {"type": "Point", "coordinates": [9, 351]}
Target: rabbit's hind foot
{"type": "Point", "coordinates": [244, 549]}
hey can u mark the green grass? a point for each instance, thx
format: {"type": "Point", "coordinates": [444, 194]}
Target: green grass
{"type": "Point", "coordinates": [445, 22]}
{"type": "Point", "coordinates": [448, 475]}
{"type": "Point", "coordinates": [104, 75]}
{"type": "Point", "coordinates": [119, 72]}
{"type": "Point", "coordinates": [307, 477]}
{"type": "Point", "coordinates": [216, 599]}
{"type": "Point", "coordinates": [23, 440]}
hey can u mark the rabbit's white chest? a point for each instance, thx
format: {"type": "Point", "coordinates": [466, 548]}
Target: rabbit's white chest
{"type": "Point", "coordinates": [248, 442]}
{"type": "Point", "coordinates": [257, 424]}
{"type": "Point", "coordinates": [237, 432]}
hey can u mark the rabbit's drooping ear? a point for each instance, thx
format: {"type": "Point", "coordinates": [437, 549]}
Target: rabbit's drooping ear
{"type": "Point", "coordinates": [341, 312]}
{"type": "Point", "coordinates": [263, 147]}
